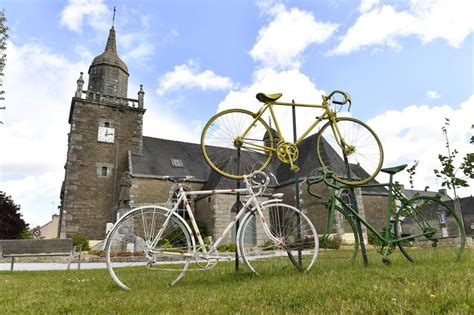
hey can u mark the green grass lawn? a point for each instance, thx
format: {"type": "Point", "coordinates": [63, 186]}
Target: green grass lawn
{"type": "Point", "coordinates": [435, 285]}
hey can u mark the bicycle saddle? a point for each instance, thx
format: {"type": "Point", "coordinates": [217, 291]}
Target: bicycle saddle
{"type": "Point", "coordinates": [266, 98]}
{"type": "Point", "coordinates": [393, 170]}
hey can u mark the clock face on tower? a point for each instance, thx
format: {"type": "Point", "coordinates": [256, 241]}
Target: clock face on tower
{"type": "Point", "coordinates": [106, 134]}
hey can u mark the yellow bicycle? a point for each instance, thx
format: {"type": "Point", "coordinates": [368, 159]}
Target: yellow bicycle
{"type": "Point", "coordinates": [235, 140]}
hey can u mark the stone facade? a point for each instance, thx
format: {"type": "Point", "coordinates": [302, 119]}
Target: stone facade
{"type": "Point", "coordinates": [94, 168]}
{"type": "Point", "coordinates": [94, 165]}
{"type": "Point", "coordinates": [214, 211]}
{"type": "Point", "coordinates": [375, 210]}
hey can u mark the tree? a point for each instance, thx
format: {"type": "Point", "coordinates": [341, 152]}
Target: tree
{"type": "Point", "coordinates": [448, 172]}
{"type": "Point", "coordinates": [411, 172]}
{"type": "Point", "coordinates": [11, 224]}
{"type": "Point", "coordinates": [3, 55]}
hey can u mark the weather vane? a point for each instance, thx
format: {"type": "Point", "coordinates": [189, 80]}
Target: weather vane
{"type": "Point", "coordinates": [113, 18]}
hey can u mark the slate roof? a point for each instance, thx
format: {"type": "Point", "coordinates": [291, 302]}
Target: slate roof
{"type": "Point", "coordinates": [155, 161]}
{"type": "Point", "coordinates": [412, 192]}
{"type": "Point", "coordinates": [466, 203]}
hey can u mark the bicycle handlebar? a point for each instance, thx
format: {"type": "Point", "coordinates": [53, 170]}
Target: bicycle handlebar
{"type": "Point", "coordinates": [257, 180]}
{"type": "Point", "coordinates": [326, 174]}
{"type": "Point", "coordinates": [347, 97]}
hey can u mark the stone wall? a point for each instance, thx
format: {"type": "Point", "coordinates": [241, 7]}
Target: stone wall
{"type": "Point", "coordinates": [375, 207]}
{"type": "Point", "coordinates": [469, 225]}
{"type": "Point", "coordinates": [90, 199]}
{"type": "Point", "coordinates": [152, 190]}
{"type": "Point", "coordinates": [371, 207]}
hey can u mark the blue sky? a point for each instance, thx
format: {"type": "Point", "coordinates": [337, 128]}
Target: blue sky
{"type": "Point", "coordinates": [407, 65]}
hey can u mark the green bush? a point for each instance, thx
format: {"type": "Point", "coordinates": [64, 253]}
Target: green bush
{"type": "Point", "coordinates": [330, 243]}
{"type": "Point", "coordinates": [26, 234]}
{"type": "Point", "coordinates": [231, 247]}
{"type": "Point", "coordinates": [80, 240]}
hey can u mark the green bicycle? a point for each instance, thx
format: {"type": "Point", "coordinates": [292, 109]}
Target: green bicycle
{"type": "Point", "coordinates": [238, 135]}
{"type": "Point", "coordinates": [419, 223]}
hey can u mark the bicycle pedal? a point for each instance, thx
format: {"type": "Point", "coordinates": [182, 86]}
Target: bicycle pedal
{"type": "Point", "coordinates": [295, 168]}
{"type": "Point", "coordinates": [386, 261]}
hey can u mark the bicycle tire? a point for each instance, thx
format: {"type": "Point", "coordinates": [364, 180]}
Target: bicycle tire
{"type": "Point", "coordinates": [131, 259]}
{"type": "Point", "coordinates": [367, 151]}
{"type": "Point", "coordinates": [350, 221]}
{"type": "Point", "coordinates": [430, 224]}
{"type": "Point", "coordinates": [295, 232]}
{"type": "Point", "coordinates": [219, 142]}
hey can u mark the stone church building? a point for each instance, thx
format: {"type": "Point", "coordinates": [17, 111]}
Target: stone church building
{"type": "Point", "coordinates": [106, 140]}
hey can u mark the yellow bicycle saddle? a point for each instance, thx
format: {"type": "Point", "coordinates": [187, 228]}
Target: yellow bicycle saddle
{"type": "Point", "coordinates": [266, 98]}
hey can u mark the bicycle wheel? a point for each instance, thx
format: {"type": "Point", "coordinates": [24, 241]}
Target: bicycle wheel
{"type": "Point", "coordinates": [353, 231]}
{"type": "Point", "coordinates": [223, 137]}
{"type": "Point", "coordinates": [430, 229]}
{"type": "Point", "coordinates": [135, 256]}
{"type": "Point", "coordinates": [297, 244]}
{"type": "Point", "coordinates": [362, 148]}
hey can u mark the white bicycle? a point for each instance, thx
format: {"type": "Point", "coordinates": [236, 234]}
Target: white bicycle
{"type": "Point", "coordinates": [152, 242]}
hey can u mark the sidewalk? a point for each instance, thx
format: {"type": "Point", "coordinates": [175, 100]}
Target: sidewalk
{"type": "Point", "coordinates": [50, 266]}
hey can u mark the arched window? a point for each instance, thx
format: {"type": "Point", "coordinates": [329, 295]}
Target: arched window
{"type": "Point", "coordinates": [181, 207]}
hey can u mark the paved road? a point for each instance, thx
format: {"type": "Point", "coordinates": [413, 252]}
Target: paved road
{"type": "Point", "coordinates": [50, 266]}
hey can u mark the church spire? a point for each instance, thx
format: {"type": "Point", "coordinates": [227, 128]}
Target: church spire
{"type": "Point", "coordinates": [111, 46]}
{"type": "Point", "coordinates": [108, 74]}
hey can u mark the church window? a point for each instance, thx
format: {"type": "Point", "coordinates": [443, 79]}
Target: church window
{"type": "Point", "coordinates": [106, 122]}
{"type": "Point", "coordinates": [177, 163]}
{"type": "Point", "coordinates": [442, 217]}
{"type": "Point", "coordinates": [181, 207]}
{"type": "Point", "coordinates": [104, 171]}
{"type": "Point", "coordinates": [110, 89]}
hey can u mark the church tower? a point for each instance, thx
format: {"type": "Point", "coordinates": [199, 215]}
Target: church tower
{"type": "Point", "coordinates": [105, 127]}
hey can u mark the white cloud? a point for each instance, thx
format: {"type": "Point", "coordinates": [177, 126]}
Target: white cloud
{"type": "Point", "coordinates": [414, 133]}
{"type": "Point", "coordinates": [161, 122]}
{"type": "Point", "coordinates": [279, 47]}
{"type": "Point", "coordinates": [142, 51]}
{"type": "Point", "coordinates": [366, 5]}
{"type": "Point", "coordinates": [281, 42]}
{"type": "Point", "coordinates": [35, 128]}
{"type": "Point", "coordinates": [136, 35]}
{"type": "Point", "coordinates": [190, 76]}
{"type": "Point", "coordinates": [38, 195]}
{"type": "Point", "coordinates": [133, 29]}
{"type": "Point", "coordinates": [38, 106]}
{"type": "Point", "coordinates": [432, 94]}
{"type": "Point", "coordinates": [450, 20]}
{"type": "Point", "coordinates": [94, 12]}
{"type": "Point", "coordinates": [292, 83]}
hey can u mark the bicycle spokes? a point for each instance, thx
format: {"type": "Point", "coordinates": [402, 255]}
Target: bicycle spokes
{"type": "Point", "coordinates": [428, 227]}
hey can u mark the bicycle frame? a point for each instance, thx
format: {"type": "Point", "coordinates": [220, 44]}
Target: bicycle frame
{"type": "Point", "coordinates": [393, 194]}
{"type": "Point", "coordinates": [328, 114]}
{"type": "Point", "coordinates": [252, 201]}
